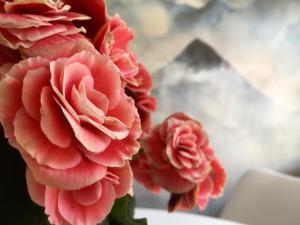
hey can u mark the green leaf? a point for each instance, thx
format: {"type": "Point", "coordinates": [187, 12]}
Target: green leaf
{"type": "Point", "coordinates": [123, 211]}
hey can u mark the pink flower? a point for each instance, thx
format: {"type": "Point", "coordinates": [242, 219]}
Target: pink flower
{"type": "Point", "coordinates": [177, 157]}
{"type": "Point", "coordinates": [24, 23]}
{"type": "Point", "coordinates": [145, 103]}
{"type": "Point", "coordinates": [86, 206]}
{"type": "Point", "coordinates": [69, 118]}
{"type": "Point", "coordinates": [113, 40]}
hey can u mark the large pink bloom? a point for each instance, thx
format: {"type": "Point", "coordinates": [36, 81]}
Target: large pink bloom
{"type": "Point", "coordinates": [24, 23]}
{"type": "Point", "coordinates": [69, 118]}
{"type": "Point", "coordinates": [86, 206]}
{"type": "Point", "coordinates": [177, 157]}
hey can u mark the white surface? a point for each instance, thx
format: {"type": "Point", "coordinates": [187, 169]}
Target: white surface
{"type": "Point", "coordinates": [162, 217]}
{"type": "Point", "coordinates": [265, 197]}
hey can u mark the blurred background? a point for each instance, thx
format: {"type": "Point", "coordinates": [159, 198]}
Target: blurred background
{"type": "Point", "coordinates": [232, 64]}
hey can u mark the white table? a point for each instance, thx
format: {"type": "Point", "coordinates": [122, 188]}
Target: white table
{"type": "Point", "coordinates": [162, 217]}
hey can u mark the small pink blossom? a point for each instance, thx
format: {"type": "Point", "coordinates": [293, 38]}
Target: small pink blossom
{"type": "Point", "coordinates": [113, 40]}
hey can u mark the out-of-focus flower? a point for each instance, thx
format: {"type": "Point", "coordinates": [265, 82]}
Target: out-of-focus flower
{"type": "Point", "coordinates": [177, 157]}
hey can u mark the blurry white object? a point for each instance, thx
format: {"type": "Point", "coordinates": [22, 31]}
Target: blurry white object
{"type": "Point", "coordinates": [193, 3]}
{"type": "Point", "coordinates": [264, 197]}
{"type": "Point", "coordinates": [162, 217]}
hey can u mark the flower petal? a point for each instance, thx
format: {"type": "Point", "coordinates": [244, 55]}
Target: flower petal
{"type": "Point", "coordinates": [77, 214]}
{"type": "Point", "coordinates": [53, 123]}
{"type": "Point", "coordinates": [10, 102]}
{"type": "Point", "coordinates": [33, 83]}
{"type": "Point", "coordinates": [51, 207]}
{"type": "Point", "coordinates": [88, 195]}
{"type": "Point", "coordinates": [72, 75]}
{"type": "Point", "coordinates": [154, 148]}
{"type": "Point", "coordinates": [92, 139]}
{"type": "Point", "coordinates": [125, 183]}
{"type": "Point", "coordinates": [80, 176]}
{"type": "Point", "coordinates": [107, 80]}
{"type": "Point", "coordinates": [36, 190]}
{"type": "Point", "coordinates": [116, 153]}
{"type": "Point", "coordinates": [176, 184]}
{"type": "Point", "coordinates": [123, 112]}
{"type": "Point", "coordinates": [30, 137]}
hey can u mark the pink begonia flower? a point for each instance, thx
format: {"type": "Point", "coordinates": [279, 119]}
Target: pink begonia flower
{"type": "Point", "coordinates": [86, 206]}
{"type": "Point", "coordinates": [113, 40]}
{"type": "Point", "coordinates": [24, 23]}
{"type": "Point", "coordinates": [69, 118]}
{"type": "Point", "coordinates": [176, 157]}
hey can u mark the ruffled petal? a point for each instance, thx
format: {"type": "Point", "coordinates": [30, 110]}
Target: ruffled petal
{"type": "Point", "coordinates": [53, 123]}
{"type": "Point", "coordinates": [33, 83]}
{"type": "Point", "coordinates": [219, 177]}
{"type": "Point", "coordinates": [80, 176]}
{"type": "Point", "coordinates": [107, 80]}
{"type": "Point", "coordinates": [176, 184]}
{"type": "Point", "coordinates": [77, 214]}
{"type": "Point", "coordinates": [123, 111]}
{"type": "Point", "coordinates": [116, 153]}
{"type": "Point", "coordinates": [92, 139]}
{"type": "Point", "coordinates": [142, 173]}
{"type": "Point", "coordinates": [88, 195]}
{"type": "Point", "coordinates": [36, 190]}
{"type": "Point", "coordinates": [125, 182]}
{"type": "Point", "coordinates": [29, 135]}
{"type": "Point", "coordinates": [10, 102]}
{"type": "Point", "coordinates": [205, 190]}
{"type": "Point", "coordinates": [51, 207]}
{"type": "Point", "coordinates": [154, 148]}
{"type": "Point", "coordinates": [72, 75]}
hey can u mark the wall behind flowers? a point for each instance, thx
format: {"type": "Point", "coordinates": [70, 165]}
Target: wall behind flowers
{"type": "Point", "coordinates": [232, 64]}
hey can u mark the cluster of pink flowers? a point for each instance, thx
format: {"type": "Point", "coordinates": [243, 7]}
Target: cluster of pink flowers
{"type": "Point", "coordinates": [75, 101]}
